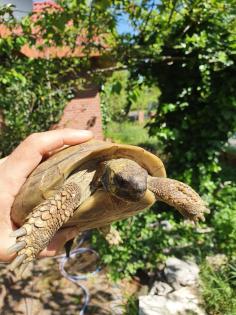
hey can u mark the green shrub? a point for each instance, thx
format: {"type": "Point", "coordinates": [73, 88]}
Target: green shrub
{"type": "Point", "coordinates": [148, 238]}
{"type": "Point", "coordinates": [132, 133]}
{"type": "Point", "coordinates": [131, 307]}
{"type": "Point", "coordinates": [147, 241]}
{"type": "Point", "coordinates": [224, 219]}
{"type": "Point", "coordinates": [30, 102]}
{"type": "Point", "coordinates": [218, 290]}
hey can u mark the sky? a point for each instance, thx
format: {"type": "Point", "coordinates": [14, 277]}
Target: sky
{"type": "Point", "coordinates": [124, 25]}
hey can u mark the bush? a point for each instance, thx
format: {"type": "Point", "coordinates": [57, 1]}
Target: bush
{"type": "Point", "coordinates": [30, 102]}
{"type": "Point", "coordinates": [155, 234]}
{"type": "Point", "coordinates": [148, 239]}
{"type": "Point", "coordinates": [224, 219]}
{"type": "Point", "coordinates": [219, 289]}
{"type": "Point", "coordinates": [132, 133]}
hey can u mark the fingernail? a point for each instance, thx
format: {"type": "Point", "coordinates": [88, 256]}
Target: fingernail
{"type": "Point", "coordinates": [85, 133]}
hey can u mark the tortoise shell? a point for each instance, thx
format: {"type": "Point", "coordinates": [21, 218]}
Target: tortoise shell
{"type": "Point", "coordinates": [101, 208]}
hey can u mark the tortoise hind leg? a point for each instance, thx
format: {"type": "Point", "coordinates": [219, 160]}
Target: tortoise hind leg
{"type": "Point", "coordinates": [111, 235]}
{"type": "Point", "coordinates": [42, 224]}
{"type": "Point", "coordinates": [178, 195]}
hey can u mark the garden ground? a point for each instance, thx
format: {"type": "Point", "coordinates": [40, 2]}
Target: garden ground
{"type": "Point", "coordinates": [45, 291]}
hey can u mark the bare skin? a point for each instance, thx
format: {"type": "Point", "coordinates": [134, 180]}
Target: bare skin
{"type": "Point", "coordinates": [14, 170]}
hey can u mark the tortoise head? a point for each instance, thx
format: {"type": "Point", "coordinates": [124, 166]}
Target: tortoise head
{"type": "Point", "coordinates": [125, 179]}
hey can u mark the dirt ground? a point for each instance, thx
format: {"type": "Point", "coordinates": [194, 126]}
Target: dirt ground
{"type": "Point", "coordinates": [45, 291]}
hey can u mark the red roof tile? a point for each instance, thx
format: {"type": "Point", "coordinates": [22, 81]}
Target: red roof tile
{"type": "Point", "coordinates": [40, 6]}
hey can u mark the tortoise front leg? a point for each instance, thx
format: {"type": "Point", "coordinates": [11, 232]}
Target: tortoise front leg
{"type": "Point", "coordinates": [42, 224]}
{"type": "Point", "coordinates": [178, 195]}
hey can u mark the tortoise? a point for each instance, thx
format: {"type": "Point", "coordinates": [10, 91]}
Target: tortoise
{"type": "Point", "coordinates": [91, 185]}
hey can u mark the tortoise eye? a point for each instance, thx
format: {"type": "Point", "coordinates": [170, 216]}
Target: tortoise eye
{"type": "Point", "coordinates": [121, 181]}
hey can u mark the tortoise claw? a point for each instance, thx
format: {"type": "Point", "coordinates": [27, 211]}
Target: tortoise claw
{"type": "Point", "coordinates": [20, 271]}
{"type": "Point", "coordinates": [18, 233]}
{"type": "Point", "coordinates": [206, 210]}
{"type": "Point", "coordinates": [199, 217]}
{"type": "Point", "coordinates": [17, 262]}
{"type": "Point", "coordinates": [16, 247]}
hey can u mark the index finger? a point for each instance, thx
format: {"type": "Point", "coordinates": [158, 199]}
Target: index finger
{"type": "Point", "coordinates": [3, 159]}
{"type": "Point", "coordinates": [21, 162]}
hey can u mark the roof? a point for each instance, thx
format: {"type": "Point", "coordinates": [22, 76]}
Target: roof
{"type": "Point", "coordinates": [40, 6]}
{"type": "Point", "coordinates": [52, 51]}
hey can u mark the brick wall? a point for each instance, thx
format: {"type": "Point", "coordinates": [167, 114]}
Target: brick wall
{"type": "Point", "coordinates": [83, 112]}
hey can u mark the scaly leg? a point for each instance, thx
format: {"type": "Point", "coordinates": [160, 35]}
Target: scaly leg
{"type": "Point", "coordinates": [42, 224]}
{"type": "Point", "coordinates": [178, 195]}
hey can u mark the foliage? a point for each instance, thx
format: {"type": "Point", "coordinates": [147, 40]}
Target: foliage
{"type": "Point", "coordinates": [188, 48]}
{"type": "Point", "coordinates": [131, 307]}
{"type": "Point", "coordinates": [30, 101]}
{"type": "Point", "coordinates": [114, 95]}
{"type": "Point", "coordinates": [155, 234]}
{"type": "Point", "coordinates": [147, 98]}
{"type": "Point", "coordinates": [185, 47]}
{"type": "Point", "coordinates": [148, 239]}
{"type": "Point", "coordinates": [132, 133]}
{"type": "Point", "coordinates": [219, 289]}
{"type": "Point", "coordinates": [118, 97]}
{"type": "Point", "coordinates": [224, 219]}
{"type": "Point", "coordinates": [35, 91]}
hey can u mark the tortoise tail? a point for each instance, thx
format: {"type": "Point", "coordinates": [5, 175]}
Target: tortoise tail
{"type": "Point", "coordinates": [42, 224]}
{"type": "Point", "coordinates": [178, 195]}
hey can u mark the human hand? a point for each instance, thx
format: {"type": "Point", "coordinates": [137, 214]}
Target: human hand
{"type": "Point", "coordinates": [14, 170]}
